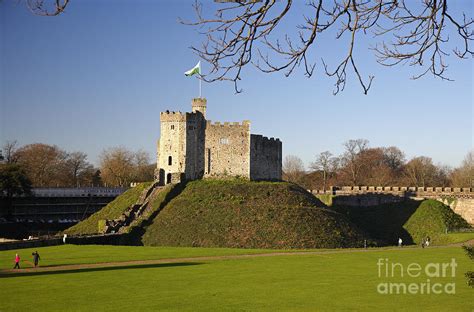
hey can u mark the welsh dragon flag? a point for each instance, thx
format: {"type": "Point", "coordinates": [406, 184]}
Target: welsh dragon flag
{"type": "Point", "coordinates": [195, 70]}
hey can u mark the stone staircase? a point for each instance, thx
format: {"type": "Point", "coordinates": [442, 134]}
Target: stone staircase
{"type": "Point", "coordinates": [133, 213]}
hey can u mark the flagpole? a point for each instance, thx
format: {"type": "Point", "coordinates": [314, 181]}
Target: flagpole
{"type": "Point", "coordinates": [200, 80]}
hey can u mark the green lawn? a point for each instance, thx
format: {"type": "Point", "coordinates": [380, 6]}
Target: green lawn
{"type": "Point", "coordinates": [298, 282]}
{"type": "Point", "coordinates": [457, 237]}
{"type": "Point", "coordinates": [73, 254]}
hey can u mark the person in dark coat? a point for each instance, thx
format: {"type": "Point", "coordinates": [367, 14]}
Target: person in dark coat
{"type": "Point", "coordinates": [36, 258]}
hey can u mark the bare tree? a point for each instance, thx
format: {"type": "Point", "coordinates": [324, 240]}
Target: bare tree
{"type": "Point", "coordinates": [43, 164]}
{"type": "Point", "coordinates": [116, 166]}
{"type": "Point", "coordinates": [468, 167]}
{"type": "Point", "coordinates": [420, 171]}
{"type": "Point", "coordinates": [144, 168]}
{"type": "Point", "coordinates": [9, 151]}
{"type": "Point", "coordinates": [443, 175]}
{"type": "Point", "coordinates": [77, 169]}
{"type": "Point", "coordinates": [47, 7]}
{"type": "Point", "coordinates": [394, 157]}
{"type": "Point", "coordinates": [326, 164]}
{"type": "Point", "coordinates": [249, 32]}
{"type": "Point", "coordinates": [351, 159]}
{"type": "Point", "coordinates": [293, 168]}
{"type": "Point", "coordinates": [464, 175]}
{"type": "Point", "coordinates": [120, 166]}
{"type": "Point", "coordinates": [373, 167]}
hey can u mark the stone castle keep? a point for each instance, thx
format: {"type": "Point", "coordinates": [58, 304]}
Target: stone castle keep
{"type": "Point", "coordinates": [191, 147]}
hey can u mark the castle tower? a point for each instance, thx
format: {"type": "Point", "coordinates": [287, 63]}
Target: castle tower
{"type": "Point", "coordinates": [199, 105]}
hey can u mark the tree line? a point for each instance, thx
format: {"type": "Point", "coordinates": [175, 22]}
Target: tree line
{"type": "Point", "coordinates": [46, 165]}
{"type": "Point", "coordinates": [43, 165]}
{"type": "Point", "coordinates": [361, 164]}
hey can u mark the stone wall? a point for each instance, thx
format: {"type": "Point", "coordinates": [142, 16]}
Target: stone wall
{"type": "Point", "coordinates": [426, 192]}
{"type": "Point", "coordinates": [461, 200]}
{"type": "Point", "coordinates": [462, 206]}
{"type": "Point", "coordinates": [108, 239]}
{"type": "Point", "coordinates": [227, 149]}
{"type": "Point", "coordinates": [195, 144]}
{"type": "Point", "coordinates": [171, 147]}
{"type": "Point", "coordinates": [190, 148]}
{"type": "Point", "coordinates": [199, 105]}
{"type": "Point", "coordinates": [265, 158]}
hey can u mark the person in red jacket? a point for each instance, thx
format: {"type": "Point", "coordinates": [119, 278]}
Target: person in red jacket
{"type": "Point", "coordinates": [17, 262]}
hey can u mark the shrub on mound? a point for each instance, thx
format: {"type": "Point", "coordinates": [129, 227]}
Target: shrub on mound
{"type": "Point", "coordinates": [432, 218]}
{"type": "Point", "coordinates": [239, 213]}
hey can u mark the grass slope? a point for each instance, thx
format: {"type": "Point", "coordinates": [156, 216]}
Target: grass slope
{"type": "Point", "coordinates": [112, 211]}
{"type": "Point", "coordinates": [432, 218]}
{"type": "Point", "coordinates": [331, 282]}
{"type": "Point", "coordinates": [411, 220]}
{"type": "Point", "coordinates": [239, 213]}
{"type": "Point", "coordinates": [159, 198]}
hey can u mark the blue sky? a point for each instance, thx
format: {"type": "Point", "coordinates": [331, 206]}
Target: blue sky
{"type": "Point", "coordinates": [98, 76]}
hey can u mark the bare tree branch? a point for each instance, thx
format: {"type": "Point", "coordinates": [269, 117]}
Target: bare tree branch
{"type": "Point", "coordinates": [47, 8]}
{"type": "Point", "coordinates": [243, 32]}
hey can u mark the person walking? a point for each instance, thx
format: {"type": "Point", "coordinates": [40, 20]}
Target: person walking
{"type": "Point", "coordinates": [17, 262]}
{"type": "Point", "coordinates": [400, 241]}
{"type": "Point", "coordinates": [36, 258]}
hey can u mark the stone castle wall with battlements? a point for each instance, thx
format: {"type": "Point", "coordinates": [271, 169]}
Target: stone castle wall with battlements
{"type": "Point", "coordinates": [461, 200]}
{"type": "Point", "coordinates": [227, 149]}
{"type": "Point", "coordinates": [191, 147]}
{"type": "Point", "coordinates": [265, 158]}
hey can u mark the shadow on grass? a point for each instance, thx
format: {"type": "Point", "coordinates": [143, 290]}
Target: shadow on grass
{"type": "Point", "coordinates": [384, 221]}
{"type": "Point", "coordinates": [98, 269]}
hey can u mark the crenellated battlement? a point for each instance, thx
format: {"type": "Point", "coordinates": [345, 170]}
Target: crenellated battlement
{"type": "Point", "coordinates": [168, 116]}
{"type": "Point", "coordinates": [192, 147]}
{"type": "Point", "coordinates": [461, 200]}
{"type": "Point", "coordinates": [270, 139]}
{"type": "Point", "coordinates": [260, 139]}
{"type": "Point", "coordinates": [228, 124]}
{"type": "Point", "coordinates": [266, 156]}
{"type": "Point", "coordinates": [406, 191]}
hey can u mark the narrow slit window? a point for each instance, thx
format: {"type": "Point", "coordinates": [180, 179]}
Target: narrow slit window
{"type": "Point", "coordinates": [170, 160]}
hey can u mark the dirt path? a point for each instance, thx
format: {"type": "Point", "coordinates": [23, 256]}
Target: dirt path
{"type": "Point", "coordinates": [75, 267]}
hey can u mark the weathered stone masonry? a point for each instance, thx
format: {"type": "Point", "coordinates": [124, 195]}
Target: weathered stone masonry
{"type": "Point", "coordinates": [191, 147]}
{"type": "Point", "coordinates": [461, 200]}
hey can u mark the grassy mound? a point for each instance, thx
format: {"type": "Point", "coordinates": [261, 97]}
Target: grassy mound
{"type": "Point", "coordinates": [432, 218]}
{"type": "Point", "coordinates": [238, 213]}
{"type": "Point", "coordinates": [410, 219]}
{"type": "Point", "coordinates": [158, 199]}
{"type": "Point", "coordinates": [112, 211]}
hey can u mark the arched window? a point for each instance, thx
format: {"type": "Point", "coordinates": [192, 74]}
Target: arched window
{"type": "Point", "coordinates": [170, 160]}
{"type": "Point", "coordinates": [168, 178]}
{"type": "Point", "coordinates": [172, 127]}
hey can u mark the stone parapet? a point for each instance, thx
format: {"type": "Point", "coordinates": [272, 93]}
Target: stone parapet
{"type": "Point", "coordinates": [409, 191]}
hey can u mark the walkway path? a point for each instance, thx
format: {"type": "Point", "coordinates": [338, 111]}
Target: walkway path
{"type": "Point", "coordinates": [209, 258]}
